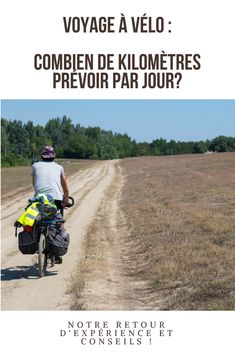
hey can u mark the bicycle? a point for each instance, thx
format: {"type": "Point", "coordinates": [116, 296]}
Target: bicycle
{"type": "Point", "coordinates": [41, 229]}
{"type": "Point", "coordinates": [40, 233]}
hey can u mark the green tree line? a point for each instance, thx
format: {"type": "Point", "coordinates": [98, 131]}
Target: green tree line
{"type": "Point", "coordinates": [22, 142]}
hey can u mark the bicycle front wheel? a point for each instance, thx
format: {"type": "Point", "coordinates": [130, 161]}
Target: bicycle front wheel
{"type": "Point", "coordinates": [42, 257]}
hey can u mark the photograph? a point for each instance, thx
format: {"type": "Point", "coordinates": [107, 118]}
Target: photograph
{"type": "Point", "coordinates": [118, 204]}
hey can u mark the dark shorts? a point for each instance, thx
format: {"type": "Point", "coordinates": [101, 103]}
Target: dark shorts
{"type": "Point", "coordinates": [59, 206]}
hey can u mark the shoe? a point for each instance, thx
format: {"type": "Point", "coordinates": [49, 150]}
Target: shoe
{"type": "Point", "coordinates": [58, 260]}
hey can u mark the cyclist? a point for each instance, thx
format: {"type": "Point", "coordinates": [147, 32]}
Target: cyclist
{"type": "Point", "coordinates": [49, 178]}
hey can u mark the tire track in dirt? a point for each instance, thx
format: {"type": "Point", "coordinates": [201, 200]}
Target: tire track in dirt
{"type": "Point", "coordinates": [21, 288]}
{"type": "Point", "coordinates": [102, 281]}
{"type": "Point", "coordinates": [107, 277]}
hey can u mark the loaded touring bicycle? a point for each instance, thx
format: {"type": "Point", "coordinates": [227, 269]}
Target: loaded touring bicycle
{"type": "Point", "coordinates": [43, 232]}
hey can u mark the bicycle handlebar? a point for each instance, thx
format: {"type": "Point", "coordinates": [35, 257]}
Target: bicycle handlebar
{"type": "Point", "coordinates": [70, 204]}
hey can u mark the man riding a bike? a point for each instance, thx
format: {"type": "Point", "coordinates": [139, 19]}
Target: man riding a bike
{"type": "Point", "coordinates": [48, 178]}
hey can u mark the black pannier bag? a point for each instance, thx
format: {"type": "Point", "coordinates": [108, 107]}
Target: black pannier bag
{"type": "Point", "coordinates": [58, 240]}
{"type": "Point", "coordinates": [27, 242]}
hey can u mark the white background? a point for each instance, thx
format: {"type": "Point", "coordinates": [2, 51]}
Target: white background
{"type": "Point", "coordinates": [206, 27]}
{"type": "Point", "coordinates": [193, 332]}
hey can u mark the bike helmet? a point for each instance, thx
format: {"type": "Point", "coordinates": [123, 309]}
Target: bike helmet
{"type": "Point", "coordinates": [48, 152]}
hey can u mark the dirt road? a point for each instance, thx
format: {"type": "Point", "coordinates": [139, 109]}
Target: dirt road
{"type": "Point", "coordinates": [21, 287]}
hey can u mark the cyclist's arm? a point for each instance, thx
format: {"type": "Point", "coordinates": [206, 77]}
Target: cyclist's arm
{"type": "Point", "coordinates": [65, 188]}
{"type": "Point", "coordinates": [33, 175]}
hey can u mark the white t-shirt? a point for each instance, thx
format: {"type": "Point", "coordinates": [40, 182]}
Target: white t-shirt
{"type": "Point", "coordinates": [48, 179]}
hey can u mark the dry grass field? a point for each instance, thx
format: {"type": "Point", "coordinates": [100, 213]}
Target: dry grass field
{"type": "Point", "coordinates": [181, 216]}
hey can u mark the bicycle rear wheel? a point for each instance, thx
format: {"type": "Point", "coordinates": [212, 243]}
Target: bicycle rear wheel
{"type": "Point", "coordinates": [42, 256]}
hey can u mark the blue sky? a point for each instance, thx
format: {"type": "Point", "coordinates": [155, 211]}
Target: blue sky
{"type": "Point", "coordinates": [143, 120]}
